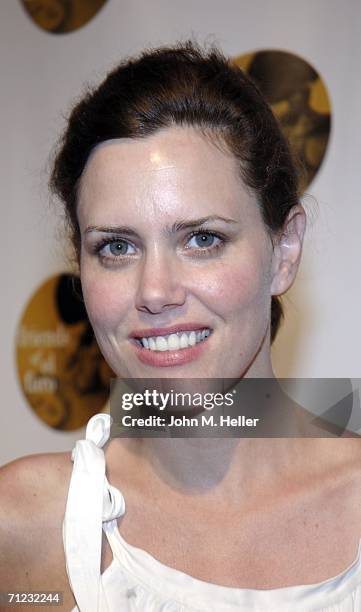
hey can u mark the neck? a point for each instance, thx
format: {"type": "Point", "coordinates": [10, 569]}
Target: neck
{"type": "Point", "coordinates": [230, 466]}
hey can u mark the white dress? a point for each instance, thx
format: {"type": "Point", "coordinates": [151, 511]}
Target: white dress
{"type": "Point", "coordinates": [135, 581]}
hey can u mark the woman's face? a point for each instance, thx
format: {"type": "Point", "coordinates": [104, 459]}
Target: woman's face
{"type": "Point", "coordinates": [172, 240]}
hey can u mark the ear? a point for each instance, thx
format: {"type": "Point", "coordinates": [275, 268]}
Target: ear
{"type": "Point", "coordinates": [287, 250]}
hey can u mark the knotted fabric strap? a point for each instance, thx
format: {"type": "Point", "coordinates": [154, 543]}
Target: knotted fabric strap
{"type": "Point", "coordinates": [91, 500]}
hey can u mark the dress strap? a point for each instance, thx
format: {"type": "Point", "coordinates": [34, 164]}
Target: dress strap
{"type": "Point", "coordinates": [91, 500]}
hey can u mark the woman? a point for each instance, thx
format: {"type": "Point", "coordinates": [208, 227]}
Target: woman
{"type": "Point", "coordinates": [182, 199]}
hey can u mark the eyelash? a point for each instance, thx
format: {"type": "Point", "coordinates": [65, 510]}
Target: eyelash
{"type": "Point", "coordinates": [200, 252]}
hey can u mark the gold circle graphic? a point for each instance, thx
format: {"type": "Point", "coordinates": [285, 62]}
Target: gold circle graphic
{"type": "Point", "coordinates": [62, 16]}
{"type": "Point", "coordinates": [298, 98]}
{"type": "Point", "coordinates": [61, 370]}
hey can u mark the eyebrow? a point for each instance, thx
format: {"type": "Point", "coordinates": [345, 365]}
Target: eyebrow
{"type": "Point", "coordinates": [170, 230]}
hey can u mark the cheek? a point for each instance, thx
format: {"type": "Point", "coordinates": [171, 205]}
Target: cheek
{"type": "Point", "coordinates": [239, 289]}
{"type": "Point", "coordinates": [106, 299]}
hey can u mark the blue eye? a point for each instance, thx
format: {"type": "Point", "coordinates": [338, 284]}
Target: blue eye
{"type": "Point", "coordinates": [115, 248]}
{"type": "Point", "coordinates": [204, 240]}
{"type": "Point", "coordinates": [118, 247]}
{"type": "Point", "coordinates": [118, 251]}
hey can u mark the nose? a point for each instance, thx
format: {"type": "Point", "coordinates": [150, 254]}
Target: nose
{"type": "Point", "coordinates": [160, 285]}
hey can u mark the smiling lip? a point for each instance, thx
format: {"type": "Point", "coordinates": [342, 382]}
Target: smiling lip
{"type": "Point", "coordinates": [165, 331]}
{"type": "Point", "coordinates": [164, 359]}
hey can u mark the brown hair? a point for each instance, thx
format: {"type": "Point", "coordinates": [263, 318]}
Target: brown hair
{"type": "Point", "coordinates": [183, 85]}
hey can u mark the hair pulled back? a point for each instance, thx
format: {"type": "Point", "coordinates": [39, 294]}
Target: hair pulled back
{"type": "Point", "coordinates": [182, 85]}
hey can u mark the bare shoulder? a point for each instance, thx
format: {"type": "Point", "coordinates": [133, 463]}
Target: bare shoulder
{"type": "Point", "coordinates": [35, 482]}
{"type": "Point", "coordinates": [33, 494]}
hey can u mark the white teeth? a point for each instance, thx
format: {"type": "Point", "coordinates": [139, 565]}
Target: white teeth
{"type": "Point", "coordinates": [174, 342]}
{"type": "Point", "coordinates": [192, 338]}
{"type": "Point", "coordinates": [184, 341]}
{"type": "Point", "coordinates": [161, 343]}
{"type": "Point", "coordinates": [152, 344]}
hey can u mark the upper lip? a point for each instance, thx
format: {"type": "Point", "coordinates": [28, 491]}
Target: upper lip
{"type": "Point", "coordinates": [165, 331]}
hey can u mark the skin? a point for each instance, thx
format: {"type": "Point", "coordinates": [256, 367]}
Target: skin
{"type": "Point", "coordinates": [148, 185]}
{"type": "Point", "coordinates": [238, 504]}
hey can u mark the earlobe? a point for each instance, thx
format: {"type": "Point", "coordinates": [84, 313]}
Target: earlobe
{"type": "Point", "coordinates": [288, 250]}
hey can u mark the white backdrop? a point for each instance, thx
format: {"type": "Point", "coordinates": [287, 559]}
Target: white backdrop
{"type": "Point", "coordinates": [42, 73]}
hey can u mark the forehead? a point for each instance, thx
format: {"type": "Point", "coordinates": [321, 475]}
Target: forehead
{"type": "Point", "coordinates": [175, 171]}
